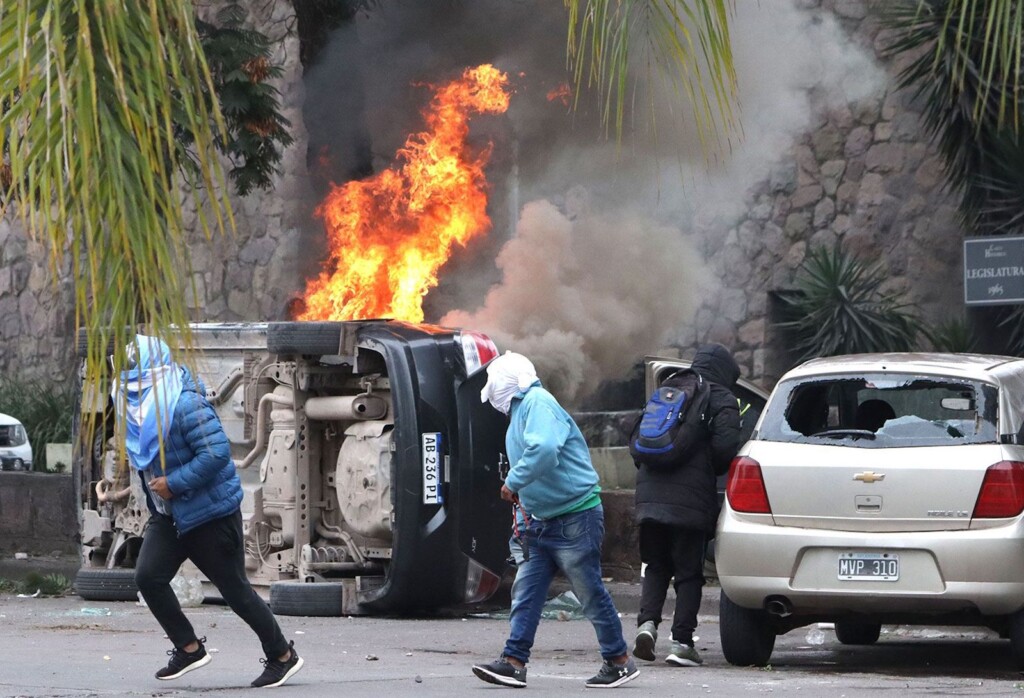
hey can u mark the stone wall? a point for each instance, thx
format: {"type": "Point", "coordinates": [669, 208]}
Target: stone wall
{"type": "Point", "coordinates": [865, 174]}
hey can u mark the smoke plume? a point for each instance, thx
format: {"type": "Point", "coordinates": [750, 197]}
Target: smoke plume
{"type": "Point", "coordinates": [593, 261]}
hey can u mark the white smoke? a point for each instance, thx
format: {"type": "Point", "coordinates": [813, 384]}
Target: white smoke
{"type": "Point", "coordinates": [586, 297]}
{"type": "Point", "coordinates": [587, 291]}
{"type": "Point", "coordinates": [580, 294]}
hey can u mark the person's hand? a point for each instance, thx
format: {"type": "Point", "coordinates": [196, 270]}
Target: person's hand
{"type": "Point", "coordinates": [508, 495]}
{"type": "Point", "coordinates": [158, 486]}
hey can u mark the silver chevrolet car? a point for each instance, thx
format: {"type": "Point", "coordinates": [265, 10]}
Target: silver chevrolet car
{"type": "Point", "coordinates": [878, 489]}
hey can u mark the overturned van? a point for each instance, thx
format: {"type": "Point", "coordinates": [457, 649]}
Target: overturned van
{"type": "Point", "coordinates": [371, 468]}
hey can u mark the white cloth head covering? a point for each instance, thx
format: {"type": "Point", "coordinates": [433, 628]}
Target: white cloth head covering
{"type": "Point", "coordinates": [507, 376]}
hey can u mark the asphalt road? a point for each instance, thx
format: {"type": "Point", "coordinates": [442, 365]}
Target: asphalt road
{"type": "Point", "coordinates": [70, 647]}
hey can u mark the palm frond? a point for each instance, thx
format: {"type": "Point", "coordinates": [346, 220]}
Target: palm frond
{"type": "Point", "coordinates": [687, 41]}
{"type": "Point", "coordinates": [95, 95]}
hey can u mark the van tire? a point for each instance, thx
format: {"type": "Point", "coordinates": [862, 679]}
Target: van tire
{"type": "Point", "coordinates": [307, 599]}
{"type": "Point", "coordinates": [851, 632]}
{"type": "Point", "coordinates": [748, 634]}
{"type": "Point", "coordinates": [317, 338]}
{"type": "Point", "coordinates": [102, 584]}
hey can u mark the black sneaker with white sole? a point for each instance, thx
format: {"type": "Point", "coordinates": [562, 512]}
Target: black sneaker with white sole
{"type": "Point", "coordinates": [612, 675]}
{"type": "Point", "coordinates": [501, 672]}
{"type": "Point", "coordinates": [276, 672]}
{"type": "Point", "coordinates": [182, 662]}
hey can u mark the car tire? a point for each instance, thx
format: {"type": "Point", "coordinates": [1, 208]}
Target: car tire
{"type": "Point", "coordinates": [19, 464]}
{"type": "Point", "coordinates": [1016, 634]}
{"type": "Point", "coordinates": [102, 584]}
{"type": "Point", "coordinates": [307, 599]}
{"type": "Point", "coordinates": [304, 337]}
{"type": "Point", "coordinates": [851, 632]}
{"type": "Point", "coordinates": [748, 634]}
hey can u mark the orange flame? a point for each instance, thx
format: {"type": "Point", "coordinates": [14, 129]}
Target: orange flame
{"type": "Point", "coordinates": [389, 234]}
{"type": "Point", "coordinates": [562, 93]}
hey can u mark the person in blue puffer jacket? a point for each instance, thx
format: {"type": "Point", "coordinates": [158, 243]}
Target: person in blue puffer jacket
{"type": "Point", "coordinates": [194, 497]}
{"type": "Point", "coordinates": [559, 523]}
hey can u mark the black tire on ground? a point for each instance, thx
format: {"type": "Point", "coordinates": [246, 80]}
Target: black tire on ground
{"type": "Point", "coordinates": [101, 584]}
{"type": "Point", "coordinates": [304, 337]}
{"type": "Point", "coordinates": [748, 634]}
{"type": "Point", "coordinates": [851, 632]}
{"type": "Point", "coordinates": [306, 599]}
{"type": "Point", "coordinates": [1016, 634]}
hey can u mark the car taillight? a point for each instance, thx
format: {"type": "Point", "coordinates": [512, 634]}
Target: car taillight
{"type": "Point", "coordinates": [481, 583]}
{"type": "Point", "coordinates": [745, 488]}
{"type": "Point", "coordinates": [477, 349]}
{"type": "Point", "coordinates": [1002, 491]}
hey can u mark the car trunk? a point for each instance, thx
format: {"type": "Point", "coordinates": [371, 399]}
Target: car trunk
{"type": "Point", "coordinates": [874, 490]}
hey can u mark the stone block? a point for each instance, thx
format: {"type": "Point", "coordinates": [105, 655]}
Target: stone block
{"type": "Point", "coordinates": [885, 157]}
{"type": "Point", "coordinates": [858, 142]}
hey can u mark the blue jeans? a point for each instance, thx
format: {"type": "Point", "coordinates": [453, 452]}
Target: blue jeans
{"type": "Point", "coordinates": [572, 544]}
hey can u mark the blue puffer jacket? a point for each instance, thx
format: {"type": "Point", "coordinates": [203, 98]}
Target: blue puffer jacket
{"type": "Point", "coordinates": [200, 472]}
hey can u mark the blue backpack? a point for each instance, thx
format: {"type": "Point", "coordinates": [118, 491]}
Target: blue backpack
{"type": "Point", "coordinates": [672, 422]}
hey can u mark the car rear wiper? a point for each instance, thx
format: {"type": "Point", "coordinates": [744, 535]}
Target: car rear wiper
{"type": "Point", "coordinates": [846, 433]}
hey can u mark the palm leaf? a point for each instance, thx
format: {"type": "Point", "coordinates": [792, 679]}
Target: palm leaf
{"type": "Point", "coordinates": [94, 93]}
{"type": "Point", "coordinates": [686, 41]}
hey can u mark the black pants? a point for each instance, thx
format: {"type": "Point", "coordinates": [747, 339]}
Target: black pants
{"type": "Point", "coordinates": [216, 549]}
{"type": "Point", "coordinates": [672, 552]}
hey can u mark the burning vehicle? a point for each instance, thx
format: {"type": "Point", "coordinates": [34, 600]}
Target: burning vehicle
{"type": "Point", "coordinates": [370, 467]}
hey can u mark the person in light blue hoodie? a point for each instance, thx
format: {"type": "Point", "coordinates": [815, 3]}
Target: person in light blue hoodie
{"type": "Point", "coordinates": [559, 523]}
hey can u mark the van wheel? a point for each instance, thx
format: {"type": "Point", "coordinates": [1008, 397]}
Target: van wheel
{"type": "Point", "coordinates": [306, 599]}
{"type": "Point", "coordinates": [748, 634]}
{"type": "Point", "coordinates": [102, 584]}
{"type": "Point", "coordinates": [851, 632]}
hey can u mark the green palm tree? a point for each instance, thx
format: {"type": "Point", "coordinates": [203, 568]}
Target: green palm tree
{"type": "Point", "coordinates": [685, 42]}
{"type": "Point", "coordinates": [967, 70]}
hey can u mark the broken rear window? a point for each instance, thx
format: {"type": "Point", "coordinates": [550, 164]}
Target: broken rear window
{"type": "Point", "coordinates": [882, 411]}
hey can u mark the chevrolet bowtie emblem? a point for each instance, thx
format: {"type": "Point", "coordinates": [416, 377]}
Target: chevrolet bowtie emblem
{"type": "Point", "coordinates": [869, 476]}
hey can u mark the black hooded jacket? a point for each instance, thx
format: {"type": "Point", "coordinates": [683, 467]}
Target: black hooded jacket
{"type": "Point", "coordinates": [686, 495]}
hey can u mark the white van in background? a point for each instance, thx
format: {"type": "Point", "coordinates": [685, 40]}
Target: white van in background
{"type": "Point", "coordinates": [15, 449]}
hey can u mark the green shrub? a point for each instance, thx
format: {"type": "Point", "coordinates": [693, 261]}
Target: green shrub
{"type": "Point", "coordinates": [838, 307]}
{"type": "Point", "coordinates": [46, 409]}
{"type": "Point", "coordinates": [954, 335]}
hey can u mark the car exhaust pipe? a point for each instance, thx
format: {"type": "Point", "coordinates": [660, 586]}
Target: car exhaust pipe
{"type": "Point", "coordinates": [779, 606]}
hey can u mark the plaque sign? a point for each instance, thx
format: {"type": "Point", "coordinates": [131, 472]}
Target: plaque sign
{"type": "Point", "coordinates": [994, 270]}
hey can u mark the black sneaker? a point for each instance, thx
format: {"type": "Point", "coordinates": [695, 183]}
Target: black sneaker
{"type": "Point", "coordinates": [612, 675]}
{"type": "Point", "coordinates": [502, 672]}
{"type": "Point", "coordinates": [183, 662]}
{"type": "Point", "coordinates": [276, 672]}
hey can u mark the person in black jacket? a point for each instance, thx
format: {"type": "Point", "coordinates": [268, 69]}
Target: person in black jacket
{"type": "Point", "coordinates": [677, 508]}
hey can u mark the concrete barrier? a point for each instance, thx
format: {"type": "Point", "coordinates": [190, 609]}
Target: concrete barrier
{"type": "Point", "coordinates": [37, 513]}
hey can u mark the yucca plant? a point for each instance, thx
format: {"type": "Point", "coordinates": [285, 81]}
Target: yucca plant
{"type": "Point", "coordinates": [838, 307]}
{"type": "Point", "coordinates": [953, 335]}
{"type": "Point", "coordinates": [46, 410]}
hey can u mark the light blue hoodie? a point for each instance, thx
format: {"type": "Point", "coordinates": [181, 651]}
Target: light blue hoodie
{"type": "Point", "coordinates": [551, 468]}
